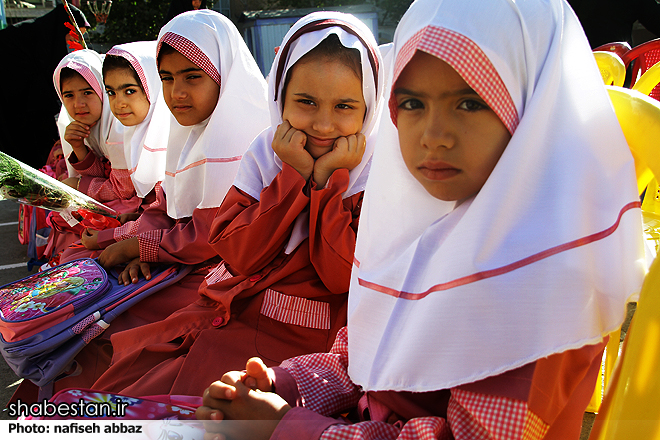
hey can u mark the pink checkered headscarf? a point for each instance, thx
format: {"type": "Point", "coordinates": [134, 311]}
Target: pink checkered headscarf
{"type": "Point", "coordinates": [145, 144]}
{"type": "Point", "coordinates": [544, 257]}
{"type": "Point", "coordinates": [106, 137]}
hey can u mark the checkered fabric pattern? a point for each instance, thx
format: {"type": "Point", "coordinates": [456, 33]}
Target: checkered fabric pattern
{"type": "Point", "coordinates": [149, 243]}
{"type": "Point", "coordinates": [130, 229]}
{"type": "Point", "coordinates": [502, 418]}
{"type": "Point", "coordinates": [364, 430]}
{"type": "Point", "coordinates": [189, 50]}
{"type": "Point", "coordinates": [127, 230]}
{"type": "Point", "coordinates": [136, 65]}
{"type": "Point", "coordinates": [322, 378]}
{"type": "Point", "coordinates": [325, 388]}
{"type": "Point", "coordinates": [295, 310]}
{"type": "Point", "coordinates": [96, 169]}
{"type": "Point", "coordinates": [464, 56]}
{"type": "Point", "coordinates": [118, 186]}
{"type": "Point", "coordinates": [535, 428]}
{"type": "Point", "coordinates": [88, 75]}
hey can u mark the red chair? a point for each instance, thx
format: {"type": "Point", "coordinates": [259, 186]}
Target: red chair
{"type": "Point", "coordinates": [643, 57]}
{"type": "Point", "coordinates": [618, 48]}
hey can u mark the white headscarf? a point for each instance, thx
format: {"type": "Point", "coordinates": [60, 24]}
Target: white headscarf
{"type": "Point", "coordinates": [544, 257]}
{"type": "Point", "coordinates": [202, 160]}
{"type": "Point", "coordinates": [106, 137]}
{"type": "Point", "coordinates": [145, 144]}
{"type": "Point", "coordinates": [260, 164]}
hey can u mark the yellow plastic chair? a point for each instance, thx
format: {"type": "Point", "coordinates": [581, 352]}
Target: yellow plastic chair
{"type": "Point", "coordinates": [611, 68]}
{"type": "Point", "coordinates": [649, 79]}
{"type": "Point", "coordinates": [631, 406]}
{"type": "Point", "coordinates": [639, 117]}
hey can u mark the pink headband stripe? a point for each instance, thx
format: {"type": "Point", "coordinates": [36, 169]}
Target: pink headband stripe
{"type": "Point", "coordinates": [202, 162]}
{"type": "Point", "coordinates": [464, 56]}
{"type": "Point", "coordinates": [190, 50]}
{"type": "Point", "coordinates": [136, 65]}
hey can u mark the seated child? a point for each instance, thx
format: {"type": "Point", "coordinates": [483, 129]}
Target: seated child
{"type": "Point", "coordinates": [209, 98]}
{"type": "Point", "coordinates": [499, 241]}
{"type": "Point", "coordinates": [135, 100]}
{"type": "Point", "coordinates": [91, 142]}
{"type": "Point", "coordinates": [286, 229]}
{"type": "Point", "coordinates": [211, 87]}
{"type": "Point", "coordinates": [88, 126]}
{"type": "Point", "coordinates": [131, 80]}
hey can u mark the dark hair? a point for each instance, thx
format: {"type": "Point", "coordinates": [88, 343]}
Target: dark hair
{"type": "Point", "coordinates": [66, 74]}
{"type": "Point", "coordinates": [115, 62]}
{"type": "Point", "coordinates": [165, 49]}
{"type": "Point", "coordinates": [330, 49]}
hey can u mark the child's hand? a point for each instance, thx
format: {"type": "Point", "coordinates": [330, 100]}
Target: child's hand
{"type": "Point", "coordinates": [131, 273]}
{"type": "Point", "coordinates": [346, 153]}
{"type": "Point", "coordinates": [256, 375]}
{"type": "Point", "coordinates": [75, 134]}
{"type": "Point", "coordinates": [289, 145]}
{"type": "Point", "coordinates": [119, 253]}
{"type": "Point", "coordinates": [72, 182]}
{"type": "Point", "coordinates": [89, 239]}
{"type": "Point", "coordinates": [128, 217]}
{"type": "Point", "coordinates": [230, 399]}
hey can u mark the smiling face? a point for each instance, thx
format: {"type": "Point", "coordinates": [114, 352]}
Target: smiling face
{"type": "Point", "coordinates": [450, 139]}
{"type": "Point", "coordinates": [80, 100]}
{"type": "Point", "coordinates": [324, 100]}
{"type": "Point", "coordinates": [128, 102]}
{"type": "Point", "coordinates": [189, 92]}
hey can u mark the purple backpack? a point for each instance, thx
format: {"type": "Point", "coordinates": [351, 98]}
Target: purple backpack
{"type": "Point", "coordinates": [48, 317]}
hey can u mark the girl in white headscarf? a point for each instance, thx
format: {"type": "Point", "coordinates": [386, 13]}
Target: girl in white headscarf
{"type": "Point", "coordinates": [286, 229]}
{"type": "Point", "coordinates": [500, 239]}
{"type": "Point", "coordinates": [210, 129]}
{"type": "Point", "coordinates": [97, 165]}
{"type": "Point", "coordinates": [145, 143]}
{"type": "Point", "coordinates": [103, 137]}
{"type": "Point", "coordinates": [216, 97]}
{"type": "Point", "coordinates": [135, 98]}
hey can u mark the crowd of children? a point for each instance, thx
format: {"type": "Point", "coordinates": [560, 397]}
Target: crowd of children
{"type": "Point", "coordinates": [499, 232]}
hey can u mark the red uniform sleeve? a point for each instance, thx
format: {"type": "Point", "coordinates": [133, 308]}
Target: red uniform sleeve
{"type": "Point", "coordinates": [91, 165]}
{"type": "Point", "coordinates": [184, 241]}
{"type": "Point", "coordinates": [322, 379]}
{"type": "Point", "coordinates": [187, 241]}
{"type": "Point", "coordinates": [100, 184]}
{"type": "Point", "coordinates": [117, 186]}
{"type": "Point", "coordinates": [247, 233]}
{"type": "Point", "coordinates": [333, 223]}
